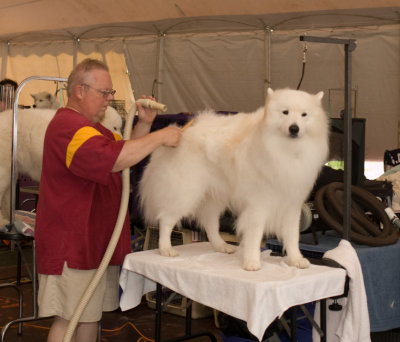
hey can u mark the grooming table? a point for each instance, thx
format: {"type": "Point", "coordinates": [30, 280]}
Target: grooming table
{"type": "Point", "coordinates": [217, 280]}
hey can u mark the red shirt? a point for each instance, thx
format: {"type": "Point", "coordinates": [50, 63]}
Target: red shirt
{"type": "Point", "coordinates": [79, 195]}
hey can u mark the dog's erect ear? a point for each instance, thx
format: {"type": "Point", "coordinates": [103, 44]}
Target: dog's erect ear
{"type": "Point", "coordinates": [270, 91]}
{"type": "Point", "coordinates": [320, 95]}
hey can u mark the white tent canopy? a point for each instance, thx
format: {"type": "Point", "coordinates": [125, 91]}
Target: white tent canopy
{"type": "Point", "coordinates": [217, 54]}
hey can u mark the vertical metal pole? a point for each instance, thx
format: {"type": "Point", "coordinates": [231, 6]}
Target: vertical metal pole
{"type": "Point", "coordinates": [347, 145]}
{"type": "Point", "coordinates": [159, 74]}
{"type": "Point", "coordinates": [34, 281]}
{"type": "Point", "coordinates": [75, 51]}
{"type": "Point", "coordinates": [293, 324]}
{"type": "Point", "coordinates": [349, 46]}
{"type": "Point", "coordinates": [19, 261]}
{"type": "Point", "coordinates": [129, 69]}
{"type": "Point", "coordinates": [188, 327]}
{"type": "Point", "coordinates": [4, 61]}
{"type": "Point", "coordinates": [158, 312]}
{"type": "Point", "coordinates": [322, 307]}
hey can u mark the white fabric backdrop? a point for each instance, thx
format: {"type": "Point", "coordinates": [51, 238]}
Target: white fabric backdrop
{"type": "Point", "coordinates": [229, 70]}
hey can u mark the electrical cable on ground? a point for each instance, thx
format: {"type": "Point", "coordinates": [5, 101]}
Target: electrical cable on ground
{"type": "Point", "coordinates": [141, 338]}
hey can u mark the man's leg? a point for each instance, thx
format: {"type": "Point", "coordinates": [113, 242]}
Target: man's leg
{"type": "Point", "coordinates": [57, 330]}
{"type": "Point", "coordinates": [85, 332]}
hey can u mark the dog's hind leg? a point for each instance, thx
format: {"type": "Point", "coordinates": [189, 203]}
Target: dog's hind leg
{"type": "Point", "coordinates": [250, 227]}
{"type": "Point", "coordinates": [208, 216]}
{"type": "Point", "coordinates": [290, 236]}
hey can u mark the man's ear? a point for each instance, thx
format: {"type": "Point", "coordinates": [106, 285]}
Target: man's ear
{"type": "Point", "coordinates": [79, 92]}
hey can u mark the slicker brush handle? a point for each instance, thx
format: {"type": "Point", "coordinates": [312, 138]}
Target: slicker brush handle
{"type": "Point", "coordinates": [152, 104]}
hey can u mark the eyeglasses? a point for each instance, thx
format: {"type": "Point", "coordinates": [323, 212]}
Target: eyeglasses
{"type": "Point", "coordinates": [105, 93]}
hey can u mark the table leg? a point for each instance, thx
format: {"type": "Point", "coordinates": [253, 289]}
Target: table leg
{"type": "Point", "coordinates": [158, 313]}
{"type": "Point", "coordinates": [293, 324]}
{"type": "Point", "coordinates": [323, 319]}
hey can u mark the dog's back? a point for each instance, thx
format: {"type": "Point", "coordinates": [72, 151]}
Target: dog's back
{"type": "Point", "coordinates": [203, 164]}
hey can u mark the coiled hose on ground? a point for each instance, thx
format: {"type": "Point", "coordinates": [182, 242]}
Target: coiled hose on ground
{"type": "Point", "coordinates": [370, 225]}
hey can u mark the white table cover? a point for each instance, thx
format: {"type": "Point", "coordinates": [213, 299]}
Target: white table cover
{"type": "Point", "coordinates": [218, 280]}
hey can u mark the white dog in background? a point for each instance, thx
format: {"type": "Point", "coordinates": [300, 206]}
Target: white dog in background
{"type": "Point", "coordinates": [32, 124]}
{"type": "Point", "coordinates": [261, 165]}
{"type": "Point", "coordinates": [45, 100]}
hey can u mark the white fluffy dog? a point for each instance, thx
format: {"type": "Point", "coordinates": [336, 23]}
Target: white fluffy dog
{"type": "Point", "coordinates": [45, 100]}
{"type": "Point", "coordinates": [261, 165]}
{"type": "Point", "coordinates": [32, 124]}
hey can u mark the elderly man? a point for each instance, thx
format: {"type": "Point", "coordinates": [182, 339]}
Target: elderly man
{"type": "Point", "coordinates": [80, 191]}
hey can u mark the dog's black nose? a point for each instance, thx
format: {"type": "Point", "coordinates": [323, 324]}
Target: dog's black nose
{"type": "Point", "coordinates": [294, 130]}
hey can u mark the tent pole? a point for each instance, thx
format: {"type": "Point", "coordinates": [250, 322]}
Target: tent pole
{"type": "Point", "coordinates": [129, 69]}
{"type": "Point", "coordinates": [4, 61]}
{"type": "Point", "coordinates": [158, 79]}
{"type": "Point", "coordinates": [75, 52]}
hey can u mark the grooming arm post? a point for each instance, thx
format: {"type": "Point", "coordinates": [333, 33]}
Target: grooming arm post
{"type": "Point", "coordinates": [349, 46]}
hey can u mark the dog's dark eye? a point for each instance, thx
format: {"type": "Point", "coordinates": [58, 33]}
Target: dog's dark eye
{"type": "Point", "coordinates": [286, 112]}
{"type": "Point", "coordinates": [304, 114]}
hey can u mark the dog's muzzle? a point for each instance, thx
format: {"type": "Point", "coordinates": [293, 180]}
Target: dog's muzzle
{"type": "Point", "coordinates": [294, 131]}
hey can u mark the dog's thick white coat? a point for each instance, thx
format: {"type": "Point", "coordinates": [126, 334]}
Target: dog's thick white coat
{"type": "Point", "coordinates": [261, 165]}
{"type": "Point", "coordinates": [32, 125]}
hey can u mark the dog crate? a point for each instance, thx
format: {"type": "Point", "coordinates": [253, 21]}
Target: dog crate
{"type": "Point", "coordinates": [119, 106]}
{"type": "Point", "coordinates": [173, 302]}
{"type": "Point", "coordinates": [178, 237]}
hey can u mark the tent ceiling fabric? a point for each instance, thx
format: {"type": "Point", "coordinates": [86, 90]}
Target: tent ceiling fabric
{"type": "Point", "coordinates": [218, 54]}
{"type": "Point", "coordinates": [57, 19]}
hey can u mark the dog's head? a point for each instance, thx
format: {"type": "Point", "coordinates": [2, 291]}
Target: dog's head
{"type": "Point", "coordinates": [44, 100]}
{"type": "Point", "coordinates": [113, 120]}
{"type": "Point", "coordinates": [295, 113]}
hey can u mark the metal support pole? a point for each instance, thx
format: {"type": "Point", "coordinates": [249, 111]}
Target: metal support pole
{"type": "Point", "coordinates": [188, 325]}
{"type": "Point", "coordinates": [349, 46]}
{"type": "Point", "coordinates": [158, 312]}
{"type": "Point", "coordinates": [293, 324]}
{"type": "Point", "coordinates": [323, 319]}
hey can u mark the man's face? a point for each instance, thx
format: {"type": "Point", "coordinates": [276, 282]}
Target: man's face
{"type": "Point", "coordinates": [96, 95]}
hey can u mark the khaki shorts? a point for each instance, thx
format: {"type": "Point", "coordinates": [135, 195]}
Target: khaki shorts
{"type": "Point", "coordinates": [59, 295]}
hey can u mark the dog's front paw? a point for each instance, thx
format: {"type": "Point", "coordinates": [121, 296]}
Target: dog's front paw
{"type": "Point", "coordinates": [169, 252]}
{"type": "Point", "coordinates": [251, 265]}
{"type": "Point", "coordinates": [225, 248]}
{"type": "Point", "coordinates": [299, 263]}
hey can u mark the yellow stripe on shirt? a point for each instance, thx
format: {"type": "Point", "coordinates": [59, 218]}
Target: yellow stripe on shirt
{"type": "Point", "coordinates": [117, 137]}
{"type": "Point", "coordinates": [80, 137]}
